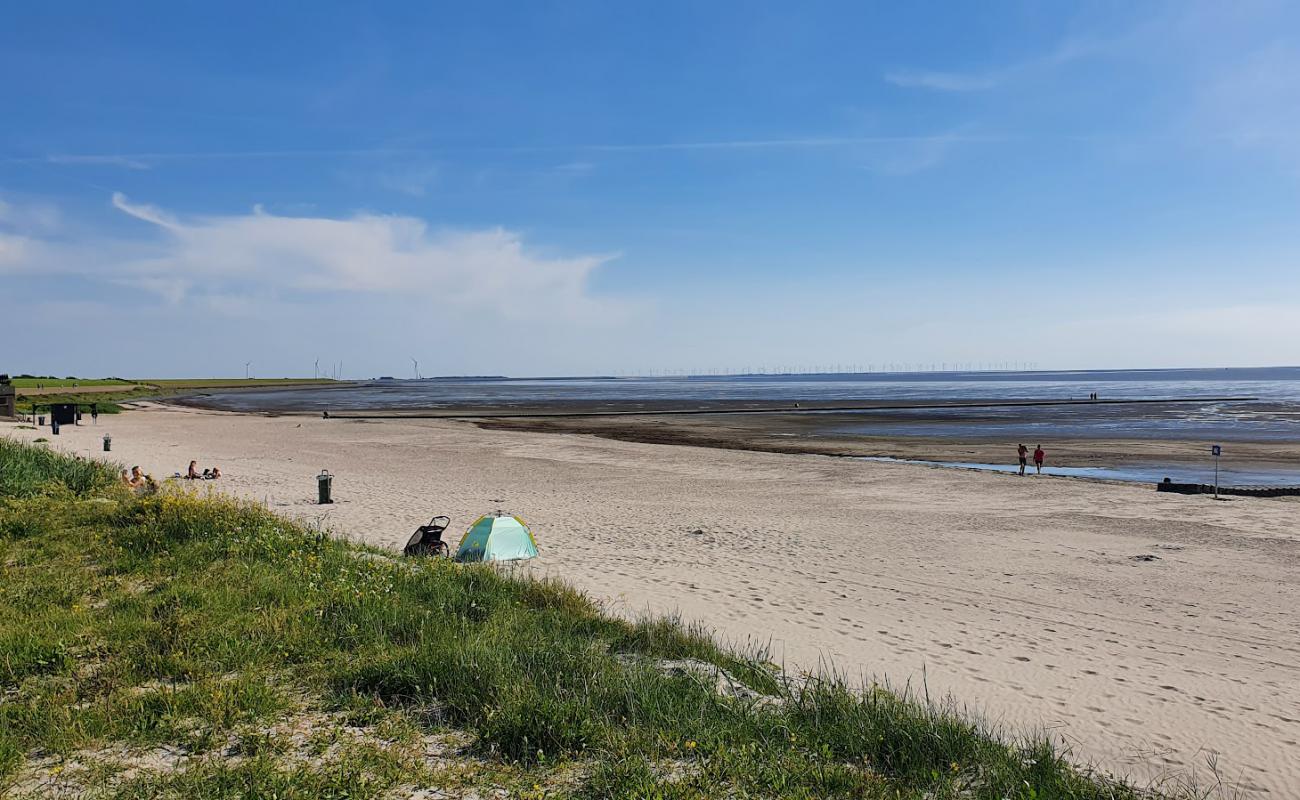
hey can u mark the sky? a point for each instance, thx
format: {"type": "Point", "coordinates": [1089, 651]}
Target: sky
{"type": "Point", "coordinates": [549, 188]}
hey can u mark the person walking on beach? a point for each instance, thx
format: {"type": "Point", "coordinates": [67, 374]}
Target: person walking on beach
{"type": "Point", "coordinates": [1022, 452]}
{"type": "Point", "coordinates": [1039, 455]}
{"type": "Point", "coordinates": [94, 413]}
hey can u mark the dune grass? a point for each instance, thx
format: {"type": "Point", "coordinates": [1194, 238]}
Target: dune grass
{"type": "Point", "coordinates": [179, 646]}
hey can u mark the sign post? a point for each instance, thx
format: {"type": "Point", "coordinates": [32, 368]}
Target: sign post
{"type": "Point", "coordinates": [1217, 451]}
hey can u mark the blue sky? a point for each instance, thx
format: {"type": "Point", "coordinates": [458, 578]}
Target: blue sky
{"type": "Point", "coordinates": [540, 188]}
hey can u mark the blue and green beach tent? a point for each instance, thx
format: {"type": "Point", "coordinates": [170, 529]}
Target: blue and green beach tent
{"type": "Point", "coordinates": [497, 537]}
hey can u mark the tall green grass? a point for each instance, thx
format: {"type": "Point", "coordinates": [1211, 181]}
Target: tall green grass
{"type": "Point", "coordinates": [27, 470]}
{"type": "Point", "coordinates": [197, 622]}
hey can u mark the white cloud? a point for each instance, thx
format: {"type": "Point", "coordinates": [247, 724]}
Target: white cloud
{"type": "Point", "coordinates": [225, 261]}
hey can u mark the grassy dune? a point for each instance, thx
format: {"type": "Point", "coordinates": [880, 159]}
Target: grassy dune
{"type": "Point", "coordinates": [177, 646]}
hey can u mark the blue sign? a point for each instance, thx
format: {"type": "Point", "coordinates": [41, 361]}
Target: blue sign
{"type": "Point", "coordinates": [1216, 450]}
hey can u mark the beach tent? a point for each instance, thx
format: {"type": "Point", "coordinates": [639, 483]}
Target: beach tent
{"type": "Point", "coordinates": [497, 537]}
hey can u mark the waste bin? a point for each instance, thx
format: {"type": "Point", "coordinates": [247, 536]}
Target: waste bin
{"type": "Point", "coordinates": [40, 421]}
{"type": "Point", "coordinates": [108, 443]}
{"type": "Point", "coordinates": [64, 413]}
{"type": "Point", "coordinates": [324, 482]}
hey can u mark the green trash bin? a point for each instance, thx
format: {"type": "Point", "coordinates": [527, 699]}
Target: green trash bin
{"type": "Point", "coordinates": [324, 483]}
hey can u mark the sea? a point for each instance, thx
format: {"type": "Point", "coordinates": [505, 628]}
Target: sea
{"type": "Point", "coordinates": [1271, 414]}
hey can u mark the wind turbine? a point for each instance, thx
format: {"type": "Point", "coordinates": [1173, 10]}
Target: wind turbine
{"type": "Point", "coordinates": [417, 368]}
{"type": "Point", "coordinates": [247, 364]}
{"type": "Point", "coordinates": [315, 370]}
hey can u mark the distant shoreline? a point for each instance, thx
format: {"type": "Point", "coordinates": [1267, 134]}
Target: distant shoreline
{"type": "Point", "coordinates": [759, 426]}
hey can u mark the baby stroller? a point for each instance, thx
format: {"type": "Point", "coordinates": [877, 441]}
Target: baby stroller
{"type": "Point", "coordinates": [427, 539]}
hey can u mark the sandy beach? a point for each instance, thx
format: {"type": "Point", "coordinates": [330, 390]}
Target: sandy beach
{"type": "Point", "coordinates": [1156, 633]}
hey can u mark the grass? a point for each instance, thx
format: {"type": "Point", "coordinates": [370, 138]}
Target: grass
{"type": "Point", "coordinates": [233, 383]}
{"type": "Point", "coordinates": [39, 404]}
{"type": "Point", "coordinates": [56, 383]}
{"type": "Point", "coordinates": [109, 402]}
{"type": "Point", "coordinates": [178, 646]}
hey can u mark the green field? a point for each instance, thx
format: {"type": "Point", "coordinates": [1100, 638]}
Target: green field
{"type": "Point", "coordinates": [200, 648]}
{"type": "Point", "coordinates": [102, 391]}
{"type": "Point", "coordinates": [168, 384]}
{"type": "Point", "coordinates": [231, 383]}
{"type": "Point", "coordinates": [55, 383]}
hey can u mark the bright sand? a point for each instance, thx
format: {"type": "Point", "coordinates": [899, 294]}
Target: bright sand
{"type": "Point", "coordinates": [1029, 599]}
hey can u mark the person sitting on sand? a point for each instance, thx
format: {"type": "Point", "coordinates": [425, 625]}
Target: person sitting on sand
{"type": "Point", "coordinates": [126, 477]}
{"type": "Point", "coordinates": [137, 477]}
{"type": "Point", "coordinates": [193, 473]}
{"type": "Point", "coordinates": [1022, 452]}
{"type": "Point", "coordinates": [216, 473]}
{"type": "Point", "coordinates": [1039, 455]}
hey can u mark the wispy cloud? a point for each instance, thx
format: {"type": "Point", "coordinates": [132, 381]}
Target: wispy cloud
{"type": "Point", "coordinates": [1255, 102]}
{"type": "Point", "coordinates": [145, 213]}
{"type": "Point", "coordinates": [147, 159]}
{"type": "Point", "coordinates": [414, 180]}
{"type": "Point", "coordinates": [908, 158]}
{"type": "Point", "coordinates": [28, 217]}
{"type": "Point", "coordinates": [942, 81]}
{"type": "Point", "coordinates": [126, 162]}
{"type": "Point", "coordinates": [1068, 50]}
{"type": "Point", "coordinates": [575, 168]}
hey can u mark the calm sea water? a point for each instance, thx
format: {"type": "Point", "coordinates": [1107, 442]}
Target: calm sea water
{"type": "Point", "coordinates": [1276, 416]}
{"type": "Point", "coordinates": [1136, 473]}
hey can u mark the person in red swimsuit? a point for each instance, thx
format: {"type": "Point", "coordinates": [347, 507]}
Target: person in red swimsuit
{"type": "Point", "coordinates": [1039, 455]}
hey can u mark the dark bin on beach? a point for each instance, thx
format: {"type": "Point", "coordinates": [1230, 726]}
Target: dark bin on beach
{"type": "Point", "coordinates": [324, 482]}
{"type": "Point", "coordinates": [64, 413]}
